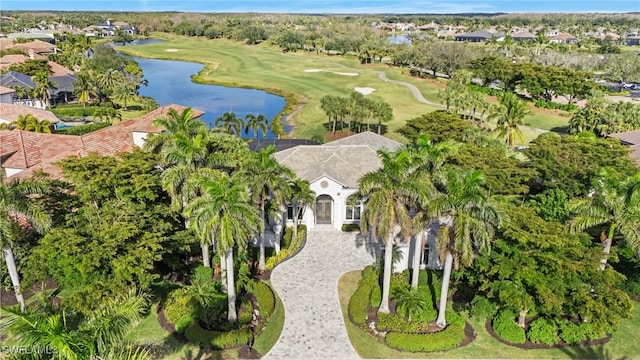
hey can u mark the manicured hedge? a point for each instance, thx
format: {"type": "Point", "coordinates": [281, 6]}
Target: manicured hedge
{"type": "Point", "coordinates": [397, 323]}
{"type": "Point", "coordinates": [216, 339]}
{"type": "Point", "coordinates": [350, 227]}
{"type": "Point", "coordinates": [82, 129]}
{"type": "Point", "coordinates": [376, 296]}
{"type": "Point", "coordinates": [504, 324]}
{"type": "Point", "coordinates": [543, 331]}
{"type": "Point", "coordinates": [266, 299]}
{"type": "Point", "coordinates": [178, 305]}
{"type": "Point", "coordinates": [359, 303]}
{"type": "Point", "coordinates": [292, 247]}
{"type": "Point", "coordinates": [447, 339]}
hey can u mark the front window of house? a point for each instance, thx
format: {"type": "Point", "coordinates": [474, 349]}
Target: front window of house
{"type": "Point", "coordinates": [353, 212]}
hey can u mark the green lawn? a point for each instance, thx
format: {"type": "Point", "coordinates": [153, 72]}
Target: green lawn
{"type": "Point", "coordinates": [265, 67]}
{"type": "Point", "coordinates": [623, 345]}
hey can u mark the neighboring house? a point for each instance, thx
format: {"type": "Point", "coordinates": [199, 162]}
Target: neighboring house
{"type": "Point", "coordinates": [6, 95]}
{"type": "Point", "coordinates": [479, 36]}
{"type": "Point", "coordinates": [632, 40]}
{"type": "Point", "coordinates": [108, 28]}
{"type": "Point", "coordinates": [523, 36]}
{"type": "Point", "coordinates": [13, 78]}
{"type": "Point", "coordinates": [63, 87]}
{"type": "Point", "coordinates": [563, 38]}
{"type": "Point", "coordinates": [279, 144]}
{"type": "Point", "coordinates": [631, 139]}
{"type": "Point", "coordinates": [56, 69]}
{"type": "Point", "coordinates": [11, 112]}
{"type": "Point", "coordinates": [22, 153]}
{"type": "Point", "coordinates": [35, 34]}
{"type": "Point", "coordinates": [37, 46]}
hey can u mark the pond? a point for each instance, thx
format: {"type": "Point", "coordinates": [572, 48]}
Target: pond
{"type": "Point", "coordinates": [170, 83]}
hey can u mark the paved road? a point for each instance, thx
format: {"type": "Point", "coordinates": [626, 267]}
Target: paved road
{"type": "Point", "coordinates": [414, 90]}
{"type": "Point", "coordinates": [308, 286]}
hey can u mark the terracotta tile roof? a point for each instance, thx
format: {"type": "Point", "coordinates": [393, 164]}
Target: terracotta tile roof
{"type": "Point", "coordinates": [33, 151]}
{"type": "Point", "coordinates": [6, 90]}
{"type": "Point", "coordinates": [56, 69]}
{"type": "Point", "coordinates": [25, 149]}
{"type": "Point", "coordinates": [38, 46]}
{"type": "Point", "coordinates": [11, 112]}
{"type": "Point", "coordinates": [628, 137]}
{"type": "Point", "coordinates": [5, 43]}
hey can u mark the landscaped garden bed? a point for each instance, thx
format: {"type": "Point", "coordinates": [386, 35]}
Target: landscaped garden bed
{"type": "Point", "coordinates": [410, 325]}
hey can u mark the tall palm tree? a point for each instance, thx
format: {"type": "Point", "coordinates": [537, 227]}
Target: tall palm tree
{"type": "Point", "coordinates": [124, 93]}
{"type": "Point", "coordinates": [110, 79]}
{"type": "Point", "coordinates": [509, 117]}
{"type": "Point", "coordinates": [615, 204]}
{"type": "Point", "coordinates": [23, 122]}
{"type": "Point", "coordinates": [16, 204]}
{"type": "Point", "coordinates": [43, 87]}
{"type": "Point", "coordinates": [382, 112]}
{"type": "Point", "coordinates": [223, 212]}
{"type": "Point", "coordinates": [268, 180]}
{"type": "Point", "coordinates": [230, 123]}
{"type": "Point", "coordinates": [83, 89]}
{"type": "Point", "coordinates": [256, 123]}
{"type": "Point", "coordinates": [391, 193]}
{"type": "Point", "coordinates": [329, 104]}
{"type": "Point", "coordinates": [427, 159]}
{"type": "Point", "coordinates": [469, 218]}
{"type": "Point", "coordinates": [40, 126]}
{"type": "Point", "coordinates": [301, 197]}
{"type": "Point", "coordinates": [100, 335]}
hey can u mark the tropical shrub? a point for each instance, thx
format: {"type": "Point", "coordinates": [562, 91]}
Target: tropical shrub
{"type": "Point", "coordinates": [543, 331]}
{"type": "Point", "coordinates": [350, 227]}
{"type": "Point", "coordinates": [446, 339]}
{"type": "Point", "coordinates": [184, 322]}
{"type": "Point", "coordinates": [246, 314]}
{"type": "Point", "coordinates": [266, 299]}
{"type": "Point", "coordinates": [571, 332]}
{"type": "Point", "coordinates": [291, 249]}
{"type": "Point", "coordinates": [482, 307]}
{"type": "Point", "coordinates": [505, 326]}
{"type": "Point", "coordinates": [397, 323]}
{"type": "Point", "coordinates": [376, 296]}
{"type": "Point", "coordinates": [178, 305]}
{"type": "Point", "coordinates": [216, 339]}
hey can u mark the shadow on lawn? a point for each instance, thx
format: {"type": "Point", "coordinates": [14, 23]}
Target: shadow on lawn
{"type": "Point", "coordinates": [591, 352]}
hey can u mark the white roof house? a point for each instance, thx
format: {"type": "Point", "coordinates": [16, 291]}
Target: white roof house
{"type": "Point", "coordinates": [333, 170]}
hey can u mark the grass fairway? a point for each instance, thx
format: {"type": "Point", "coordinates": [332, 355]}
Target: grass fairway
{"type": "Point", "coordinates": [265, 67]}
{"type": "Point", "coordinates": [623, 344]}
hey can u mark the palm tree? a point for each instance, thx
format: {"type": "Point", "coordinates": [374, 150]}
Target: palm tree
{"type": "Point", "coordinates": [110, 79]}
{"type": "Point", "coordinates": [411, 302]}
{"type": "Point", "coordinates": [107, 114]}
{"type": "Point", "coordinates": [124, 93]}
{"type": "Point", "coordinates": [329, 104]}
{"type": "Point", "coordinates": [40, 126]}
{"type": "Point", "coordinates": [256, 123]}
{"type": "Point", "coordinates": [427, 160]}
{"type": "Point", "coordinates": [42, 87]}
{"type": "Point", "coordinates": [509, 115]}
{"type": "Point", "coordinates": [100, 335]}
{"type": "Point", "coordinates": [17, 204]}
{"type": "Point", "coordinates": [223, 212]}
{"type": "Point", "coordinates": [469, 224]}
{"type": "Point", "coordinates": [301, 197]}
{"type": "Point", "coordinates": [83, 89]}
{"type": "Point", "coordinates": [268, 180]}
{"type": "Point", "coordinates": [615, 204]}
{"type": "Point", "coordinates": [24, 121]}
{"type": "Point", "coordinates": [382, 112]}
{"type": "Point", "coordinates": [230, 123]}
{"type": "Point", "coordinates": [391, 193]}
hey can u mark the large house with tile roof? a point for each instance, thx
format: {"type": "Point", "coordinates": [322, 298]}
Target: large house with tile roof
{"type": "Point", "coordinates": [22, 153]}
{"type": "Point", "coordinates": [333, 170]}
{"type": "Point", "coordinates": [11, 112]}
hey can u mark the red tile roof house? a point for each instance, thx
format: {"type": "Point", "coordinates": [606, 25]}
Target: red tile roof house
{"type": "Point", "coordinates": [11, 112]}
{"type": "Point", "coordinates": [22, 153]}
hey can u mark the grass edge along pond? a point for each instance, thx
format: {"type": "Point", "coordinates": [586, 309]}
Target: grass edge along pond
{"type": "Point", "coordinates": [623, 344]}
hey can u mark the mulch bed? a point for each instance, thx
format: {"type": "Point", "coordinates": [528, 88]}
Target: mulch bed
{"type": "Point", "coordinates": [246, 352]}
{"type": "Point", "coordinates": [169, 326]}
{"type": "Point", "coordinates": [8, 297]}
{"type": "Point", "coordinates": [469, 335]}
{"type": "Point", "coordinates": [528, 345]}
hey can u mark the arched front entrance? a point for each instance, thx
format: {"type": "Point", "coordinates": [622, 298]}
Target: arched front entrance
{"type": "Point", "coordinates": [324, 208]}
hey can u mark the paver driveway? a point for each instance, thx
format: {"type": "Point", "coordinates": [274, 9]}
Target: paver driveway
{"type": "Point", "coordinates": [308, 286]}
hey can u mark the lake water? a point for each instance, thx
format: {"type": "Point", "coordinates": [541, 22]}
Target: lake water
{"type": "Point", "coordinates": [170, 83]}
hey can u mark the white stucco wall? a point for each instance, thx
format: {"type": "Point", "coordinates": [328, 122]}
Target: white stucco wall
{"type": "Point", "coordinates": [139, 138]}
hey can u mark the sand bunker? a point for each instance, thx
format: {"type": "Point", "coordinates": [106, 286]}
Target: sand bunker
{"type": "Point", "coordinates": [337, 73]}
{"type": "Point", "coordinates": [171, 50]}
{"type": "Point", "coordinates": [364, 90]}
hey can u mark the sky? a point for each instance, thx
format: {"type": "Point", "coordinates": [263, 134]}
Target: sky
{"type": "Point", "coordinates": [329, 6]}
